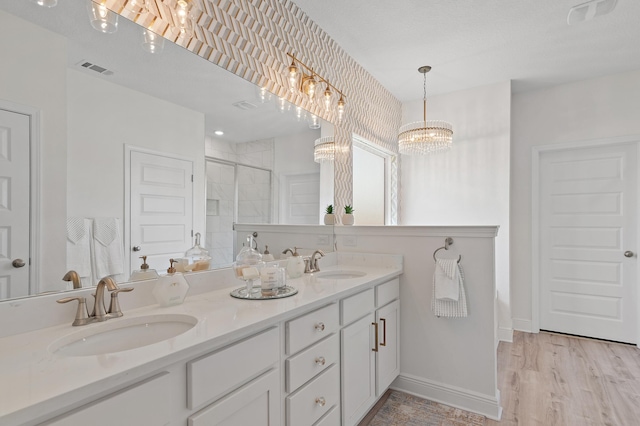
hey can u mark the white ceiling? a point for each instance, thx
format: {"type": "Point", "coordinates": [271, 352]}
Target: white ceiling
{"type": "Point", "coordinates": [471, 43]}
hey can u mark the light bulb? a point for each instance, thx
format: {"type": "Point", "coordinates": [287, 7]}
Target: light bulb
{"type": "Point", "coordinates": [101, 18]}
{"type": "Point", "coordinates": [182, 18]}
{"type": "Point", "coordinates": [46, 3]}
{"type": "Point", "coordinates": [294, 74]}
{"type": "Point", "coordinates": [341, 106]}
{"type": "Point", "coordinates": [328, 99]}
{"type": "Point", "coordinates": [311, 87]}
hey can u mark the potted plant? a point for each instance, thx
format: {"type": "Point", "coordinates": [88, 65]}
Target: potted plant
{"type": "Point", "coordinates": [347, 217]}
{"type": "Point", "coordinates": [329, 217]}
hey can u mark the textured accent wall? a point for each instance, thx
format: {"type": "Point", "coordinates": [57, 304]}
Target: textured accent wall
{"type": "Point", "coordinates": [251, 38]}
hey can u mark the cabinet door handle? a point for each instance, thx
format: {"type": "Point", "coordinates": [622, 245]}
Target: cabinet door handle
{"type": "Point", "coordinates": [375, 325]}
{"type": "Point", "coordinates": [384, 332]}
{"type": "Point", "coordinates": [320, 360]}
{"type": "Point", "coordinates": [320, 326]}
{"type": "Point", "coordinates": [321, 401]}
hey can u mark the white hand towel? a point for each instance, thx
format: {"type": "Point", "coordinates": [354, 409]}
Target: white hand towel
{"type": "Point", "coordinates": [450, 308]}
{"type": "Point", "coordinates": [446, 279]}
{"type": "Point", "coordinates": [108, 249]}
{"type": "Point", "coordinates": [79, 246]}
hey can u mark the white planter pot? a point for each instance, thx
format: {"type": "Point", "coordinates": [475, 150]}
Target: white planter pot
{"type": "Point", "coordinates": [347, 219]}
{"type": "Point", "coordinates": [329, 219]}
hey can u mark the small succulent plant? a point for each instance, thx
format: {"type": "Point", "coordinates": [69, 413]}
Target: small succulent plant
{"type": "Point", "coordinates": [329, 209]}
{"type": "Point", "coordinates": [348, 209]}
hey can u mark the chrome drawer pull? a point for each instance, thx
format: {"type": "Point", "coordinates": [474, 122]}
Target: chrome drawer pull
{"type": "Point", "coordinates": [320, 360]}
{"type": "Point", "coordinates": [321, 401]}
{"type": "Point", "coordinates": [320, 326]}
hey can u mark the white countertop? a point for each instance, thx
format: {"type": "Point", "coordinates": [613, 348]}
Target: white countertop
{"type": "Point", "coordinates": [36, 381]}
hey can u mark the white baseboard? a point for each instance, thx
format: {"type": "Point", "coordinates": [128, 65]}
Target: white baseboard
{"type": "Point", "coordinates": [522, 324]}
{"type": "Point", "coordinates": [486, 405]}
{"type": "Point", "coordinates": [505, 334]}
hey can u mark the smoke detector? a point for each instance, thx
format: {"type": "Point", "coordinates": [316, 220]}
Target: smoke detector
{"type": "Point", "coordinates": [589, 10]}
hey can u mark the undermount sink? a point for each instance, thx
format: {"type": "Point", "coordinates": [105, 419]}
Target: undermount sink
{"type": "Point", "coordinates": [339, 275]}
{"type": "Point", "coordinates": [121, 334]}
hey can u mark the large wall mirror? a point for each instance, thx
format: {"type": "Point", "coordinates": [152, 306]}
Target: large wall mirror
{"type": "Point", "coordinates": [116, 130]}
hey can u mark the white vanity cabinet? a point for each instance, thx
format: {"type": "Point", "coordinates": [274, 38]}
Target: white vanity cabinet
{"type": "Point", "coordinates": [312, 369]}
{"type": "Point", "coordinates": [370, 360]}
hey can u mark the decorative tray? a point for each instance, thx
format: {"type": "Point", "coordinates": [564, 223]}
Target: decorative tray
{"type": "Point", "coordinates": [256, 294]}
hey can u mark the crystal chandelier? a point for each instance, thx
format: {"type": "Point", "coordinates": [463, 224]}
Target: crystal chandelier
{"type": "Point", "coordinates": [425, 137]}
{"type": "Point", "coordinates": [324, 149]}
{"type": "Point", "coordinates": [303, 79]}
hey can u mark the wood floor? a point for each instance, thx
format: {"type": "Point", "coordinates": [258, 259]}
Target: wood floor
{"type": "Point", "coordinates": [550, 379]}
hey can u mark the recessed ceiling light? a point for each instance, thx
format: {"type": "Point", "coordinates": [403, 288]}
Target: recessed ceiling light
{"type": "Point", "coordinates": [219, 132]}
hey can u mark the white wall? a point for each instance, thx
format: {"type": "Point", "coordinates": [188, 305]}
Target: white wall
{"type": "Point", "coordinates": [580, 111]}
{"type": "Point", "coordinates": [468, 185]}
{"type": "Point", "coordinates": [33, 73]}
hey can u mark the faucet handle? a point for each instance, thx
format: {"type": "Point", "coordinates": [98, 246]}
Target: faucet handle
{"type": "Point", "coordinates": [82, 315]}
{"type": "Point", "coordinates": [114, 306]}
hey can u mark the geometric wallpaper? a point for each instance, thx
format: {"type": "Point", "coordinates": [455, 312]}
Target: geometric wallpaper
{"type": "Point", "coordinates": [251, 38]}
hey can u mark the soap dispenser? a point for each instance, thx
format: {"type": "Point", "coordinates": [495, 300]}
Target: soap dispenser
{"type": "Point", "coordinates": [295, 265]}
{"type": "Point", "coordinates": [144, 273]}
{"type": "Point", "coordinates": [172, 288]}
{"type": "Point", "coordinates": [266, 256]}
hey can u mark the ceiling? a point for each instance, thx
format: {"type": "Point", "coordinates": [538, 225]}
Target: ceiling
{"type": "Point", "coordinates": [472, 43]}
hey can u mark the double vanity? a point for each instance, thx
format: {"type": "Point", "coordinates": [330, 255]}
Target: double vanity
{"type": "Point", "coordinates": [321, 357]}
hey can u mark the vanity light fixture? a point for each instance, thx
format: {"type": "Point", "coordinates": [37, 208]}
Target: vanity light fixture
{"type": "Point", "coordinates": [101, 18]}
{"type": "Point", "coordinates": [183, 15]}
{"type": "Point", "coordinates": [46, 3]}
{"type": "Point", "coordinates": [425, 137]}
{"type": "Point", "coordinates": [152, 42]}
{"type": "Point", "coordinates": [324, 149]}
{"type": "Point", "coordinates": [303, 79]}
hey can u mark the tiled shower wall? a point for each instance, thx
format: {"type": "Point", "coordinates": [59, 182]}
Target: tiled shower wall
{"type": "Point", "coordinates": [251, 38]}
{"type": "Point", "coordinates": [254, 192]}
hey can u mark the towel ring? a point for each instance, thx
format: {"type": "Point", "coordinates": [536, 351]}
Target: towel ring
{"type": "Point", "coordinates": [445, 248]}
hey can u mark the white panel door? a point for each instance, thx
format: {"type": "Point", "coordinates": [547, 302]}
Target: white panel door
{"type": "Point", "coordinates": [588, 220]}
{"type": "Point", "coordinates": [300, 199]}
{"type": "Point", "coordinates": [14, 204]}
{"type": "Point", "coordinates": [161, 203]}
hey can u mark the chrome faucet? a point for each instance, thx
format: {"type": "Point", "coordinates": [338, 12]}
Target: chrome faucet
{"type": "Point", "coordinates": [74, 278]}
{"type": "Point", "coordinates": [99, 311]}
{"type": "Point", "coordinates": [312, 264]}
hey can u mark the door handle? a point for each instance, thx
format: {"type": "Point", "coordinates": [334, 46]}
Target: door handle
{"type": "Point", "coordinates": [18, 263]}
{"type": "Point", "coordinates": [137, 248]}
{"type": "Point", "coordinates": [628, 253]}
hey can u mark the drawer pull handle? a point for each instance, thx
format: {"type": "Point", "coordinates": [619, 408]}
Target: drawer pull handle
{"type": "Point", "coordinates": [320, 326]}
{"type": "Point", "coordinates": [321, 401]}
{"type": "Point", "coordinates": [320, 360]}
{"type": "Point", "coordinates": [384, 332]}
{"type": "Point", "coordinates": [375, 325]}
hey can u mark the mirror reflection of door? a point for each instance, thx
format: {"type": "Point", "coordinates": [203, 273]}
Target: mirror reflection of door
{"type": "Point", "coordinates": [300, 199]}
{"type": "Point", "coordinates": [14, 204]}
{"type": "Point", "coordinates": [371, 183]}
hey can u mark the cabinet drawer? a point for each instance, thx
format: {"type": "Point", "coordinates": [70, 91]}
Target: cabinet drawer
{"type": "Point", "coordinates": [388, 292]}
{"type": "Point", "coordinates": [332, 418]}
{"type": "Point", "coordinates": [311, 361]}
{"type": "Point", "coordinates": [309, 328]}
{"type": "Point", "coordinates": [213, 375]}
{"type": "Point", "coordinates": [355, 307]}
{"type": "Point", "coordinates": [313, 400]}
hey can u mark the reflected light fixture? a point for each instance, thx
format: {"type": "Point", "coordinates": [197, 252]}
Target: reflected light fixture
{"type": "Point", "coordinates": [314, 122]}
{"type": "Point", "coordinates": [264, 95]}
{"type": "Point", "coordinates": [218, 133]}
{"type": "Point", "coordinates": [324, 149]}
{"type": "Point", "coordinates": [183, 17]}
{"type": "Point", "coordinates": [152, 42]}
{"type": "Point", "coordinates": [46, 3]}
{"type": "Point", "coordinates": [101, 18]}
{"type": "Point", "coordinates": [317, 89]}
{"type": "Point", "coordinates": [425, 137]}
{"type": "Point", "coordinates": [137, 6]}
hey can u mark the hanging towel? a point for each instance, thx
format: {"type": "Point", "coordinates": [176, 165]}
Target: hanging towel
{"type": "Point", "coordinates": [79, 246]}
{"type": "Point", "coordinates": [446, 307]}
{"type": "Point", "coordinates": [108, 250]}
{"type": "Point", "coordinates": [446, 279]}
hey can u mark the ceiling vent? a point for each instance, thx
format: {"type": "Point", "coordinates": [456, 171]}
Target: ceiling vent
{"type": "Point", "coordinates": [245, 105]}
{"type": "Point", "coordinates": [589, 10]}
{"type": "Point", "coordinates": [94, 67]}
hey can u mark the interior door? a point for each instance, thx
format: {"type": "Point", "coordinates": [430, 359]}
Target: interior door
{"type": "Point", "coordinates": [14, 204]}
{"type": "Point", "coordinates": [300, 199]}
{"type": "Point", "coordinates": [588, 225]}
{"type": "Point", "coordinates": [161, 208]}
